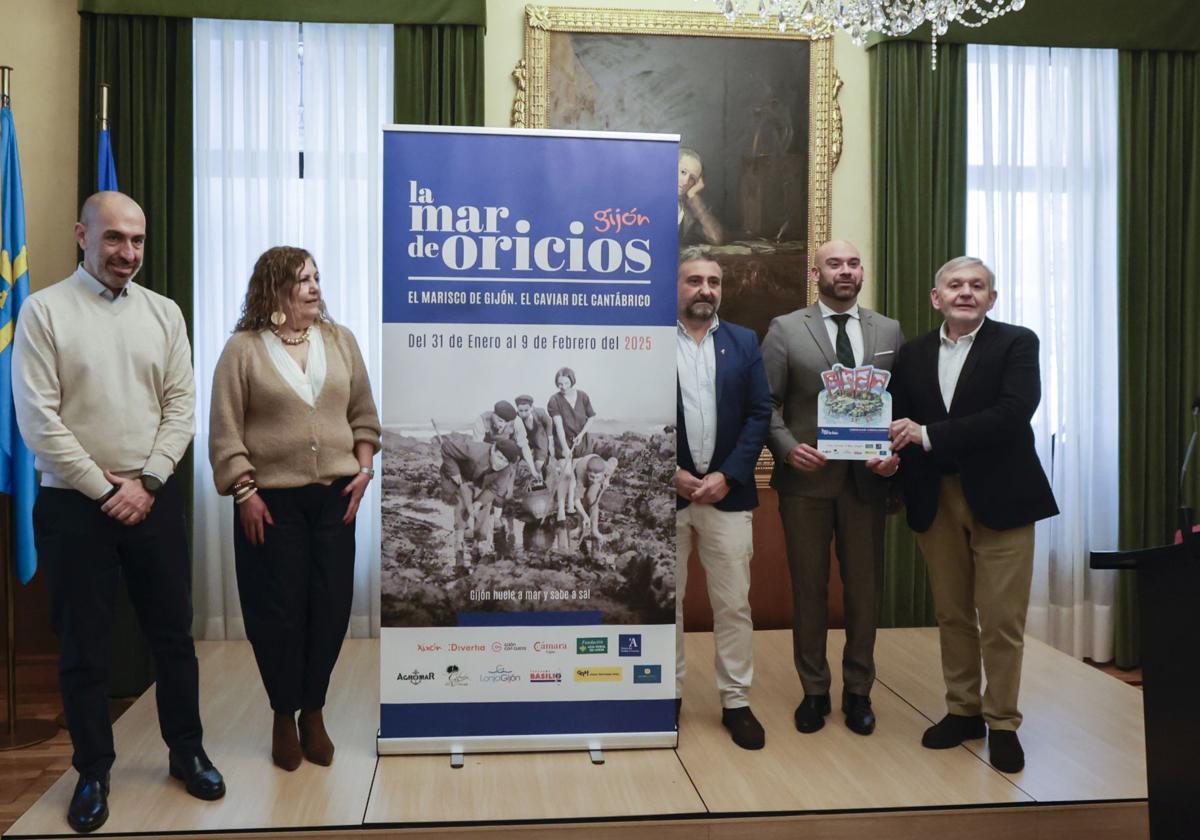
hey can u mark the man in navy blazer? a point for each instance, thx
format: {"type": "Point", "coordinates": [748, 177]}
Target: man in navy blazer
{"type": "Point", "coordinates": [963, 396]}
{"type": "Point", "coordinates": [723, 413]}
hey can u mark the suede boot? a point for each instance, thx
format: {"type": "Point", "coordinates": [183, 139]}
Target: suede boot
{"type": "Point", "coordinates": [314, 740]}
{"type": "Point", "coordinates": [285, 747]}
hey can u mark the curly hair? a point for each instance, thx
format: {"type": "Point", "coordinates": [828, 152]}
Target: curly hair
{"type": "Point", "coordinates": [275, 273]}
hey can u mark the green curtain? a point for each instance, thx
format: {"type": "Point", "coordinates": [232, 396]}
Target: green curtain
{"type": "Point", "coordinates": [1159, 289]}
{"type": "Point", "coordinates": [472, 12]}
{"type": "Point", "coordinates": [147, 62]}
{"type": "Point", "coordinates": [1089, 24]}
{"type": "Point", "coordinates": [919, 170]}
{"type": "Point", "coordinates": [439, 74]}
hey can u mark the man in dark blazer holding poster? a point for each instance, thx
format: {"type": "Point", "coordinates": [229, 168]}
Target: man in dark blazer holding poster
{"type": "Point", "coordinates": [823, 501]}
{"type": "Point", "coordinates": [963, 396]}
{"type": "Point", "coordinates": [723, 408]}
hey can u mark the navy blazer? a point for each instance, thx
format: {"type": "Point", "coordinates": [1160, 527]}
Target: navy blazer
{"type": "Point", "coordinates": [743, 416]}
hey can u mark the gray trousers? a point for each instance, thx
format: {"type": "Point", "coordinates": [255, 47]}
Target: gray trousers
{"type": "Point", "coordinates": [810, 525]}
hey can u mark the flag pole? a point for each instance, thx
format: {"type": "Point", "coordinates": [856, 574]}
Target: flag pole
{"type": "Point", "coordinates": [19, 732]}
{"type": "Point", "coordinates": [104, 106]}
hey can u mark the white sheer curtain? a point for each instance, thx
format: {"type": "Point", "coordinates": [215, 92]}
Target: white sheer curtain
{"type": "Point", "coordinates": [265, 93]}
{"type": "Point", "coordinates": [1042, 212]}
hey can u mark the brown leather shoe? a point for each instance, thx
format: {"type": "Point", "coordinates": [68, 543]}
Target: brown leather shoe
{"type": "Point", "coordinates": [314, 740]}
{"type": "Point", "coordinates": [285, 746]}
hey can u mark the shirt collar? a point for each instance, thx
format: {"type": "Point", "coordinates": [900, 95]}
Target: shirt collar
{"type": "Point", "coordinates": [826, 312]}
{"type": "Point", "coordinates": [969, 337]}
{"type": "Point", "coordinates": [712, 328]}
{"type": "Point", "coordinates": [96, 287]}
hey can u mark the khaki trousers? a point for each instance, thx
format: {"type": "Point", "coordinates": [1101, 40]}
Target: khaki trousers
{"type": "Point", "coordinates": [980, 579]}
{"type": "Point", "coordinates": [725, 542]}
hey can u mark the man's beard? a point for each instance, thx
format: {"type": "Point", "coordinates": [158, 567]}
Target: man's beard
{"type": "Point", "coordinates": [693, 309]}
{"type": "Point", "coordinates": [833, 290]}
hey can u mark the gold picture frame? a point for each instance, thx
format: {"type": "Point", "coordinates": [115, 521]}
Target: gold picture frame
{"type": "Point", "coordinates": [533, 108]}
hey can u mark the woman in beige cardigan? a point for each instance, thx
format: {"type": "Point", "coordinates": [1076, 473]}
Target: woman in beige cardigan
{"type": "Point", "coordinates": [292, 436]}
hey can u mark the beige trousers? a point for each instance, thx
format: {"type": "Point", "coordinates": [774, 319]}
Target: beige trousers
{"type": "Point", "coordinates": [725, 543]}
{"type": "Point", "coordinates": [980, 579]}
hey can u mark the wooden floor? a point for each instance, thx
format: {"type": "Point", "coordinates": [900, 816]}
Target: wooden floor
{"type": "Point", "coordinates": [1082, 735]}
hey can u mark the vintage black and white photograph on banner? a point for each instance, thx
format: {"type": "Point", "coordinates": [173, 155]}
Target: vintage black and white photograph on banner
{"type": "Point", "coordinates": [546, 477]}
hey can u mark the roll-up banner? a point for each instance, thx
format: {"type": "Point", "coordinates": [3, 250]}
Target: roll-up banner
{"type": "Point", "coordinates": [528, 549]}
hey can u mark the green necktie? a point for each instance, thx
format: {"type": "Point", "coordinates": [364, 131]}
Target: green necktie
{"type": "Point", "coordinates": [845, 352]}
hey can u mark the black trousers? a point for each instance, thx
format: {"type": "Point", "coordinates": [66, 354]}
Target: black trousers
{"type": "Point", "coordinates": [296, 590]}
{"type": "Point", "coordinates": [83, 551]}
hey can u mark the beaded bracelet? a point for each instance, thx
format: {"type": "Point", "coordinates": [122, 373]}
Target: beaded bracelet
{"type": "Point", "coordinates": [241, 498]}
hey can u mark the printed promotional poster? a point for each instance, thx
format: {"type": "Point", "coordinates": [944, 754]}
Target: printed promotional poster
{"type": "Point", "coordinates": [854, 413]}
{"type": "Point", "coordinates": [528, 546]}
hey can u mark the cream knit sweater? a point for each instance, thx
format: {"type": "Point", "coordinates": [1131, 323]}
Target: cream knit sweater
{"type": "Point", "coordinates": [259, 424]}
{"type": "Point", "coordinates": [101, 384]}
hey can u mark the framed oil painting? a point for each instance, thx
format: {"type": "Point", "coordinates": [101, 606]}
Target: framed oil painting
{"type": "Point", "coordinates": [757, 114]}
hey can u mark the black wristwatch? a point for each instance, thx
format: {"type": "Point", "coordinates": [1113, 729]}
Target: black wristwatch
{"type": "Point", "coordinates": [152, 483]}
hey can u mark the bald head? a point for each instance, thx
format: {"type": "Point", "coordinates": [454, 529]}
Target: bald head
{"type": "Point", "coordinates": [839, 274]}
{"type": "Point", "coordinates": [111, 231]}
{"type": "Point", "coordinates": [838, 247]}
{"type": "Point", "coordinates": [108, 201]}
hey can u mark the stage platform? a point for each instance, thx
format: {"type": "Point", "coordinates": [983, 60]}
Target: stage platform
{"type": "Point", "coordinates": [1085, 774]}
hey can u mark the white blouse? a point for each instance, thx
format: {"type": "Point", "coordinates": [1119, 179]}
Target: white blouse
{"type": "Point", "coordinates": [306, 383]}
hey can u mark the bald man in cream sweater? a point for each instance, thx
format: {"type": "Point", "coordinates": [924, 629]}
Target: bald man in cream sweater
{"type": "Point", "coordinates": [105, 400]}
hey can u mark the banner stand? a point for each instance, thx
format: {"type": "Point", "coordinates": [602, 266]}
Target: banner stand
{"type": "Point", "coordinates": [527, 591]}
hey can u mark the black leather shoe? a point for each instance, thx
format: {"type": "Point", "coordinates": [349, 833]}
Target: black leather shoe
{"type": "Point", "coordinates": [1004, 751]}
{"type": "Point", "coordinates": [201, 779]}
{"type": "Point", "coordinates": [810, 714]}
{"type": "Point", "coordinates": [744, 728]}
{"type": "Point", "coordinates": [859, 717]}
{"type": "Point", "coordinates": [952, 730]}
{"type": "Point", "coordinates": [89, 804]}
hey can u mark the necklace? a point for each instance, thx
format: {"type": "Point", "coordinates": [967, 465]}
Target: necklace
{"type": "Point", "coordinates": [292, 342]}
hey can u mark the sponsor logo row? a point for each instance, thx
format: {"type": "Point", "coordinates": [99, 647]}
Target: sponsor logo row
{"type": "Point", "coordinates": [493, 647]}
{"type": "Point", "coordinates": [628, 644]}
{"type": "Point", "coordinates": [455, 677]}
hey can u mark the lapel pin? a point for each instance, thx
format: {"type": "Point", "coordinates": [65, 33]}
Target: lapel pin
{"type": "Point", "coordinates": [722, 351]}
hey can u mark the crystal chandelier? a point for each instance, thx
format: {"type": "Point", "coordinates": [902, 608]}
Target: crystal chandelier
{"type": "Point", "coordinates": [860, 18]}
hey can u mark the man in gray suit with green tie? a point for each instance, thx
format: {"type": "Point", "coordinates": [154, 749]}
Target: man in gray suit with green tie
{"type": "Point", "coordinates": [823, 501]}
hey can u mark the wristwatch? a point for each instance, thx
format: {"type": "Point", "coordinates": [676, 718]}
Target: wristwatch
{"type": "Point", "coordinates": [369, 472]}
{"type": "Point", "coordinates": [152, 483]}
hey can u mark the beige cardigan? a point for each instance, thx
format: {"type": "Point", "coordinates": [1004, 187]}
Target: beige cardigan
{"type": "Point", "coordinates": [259, 424]}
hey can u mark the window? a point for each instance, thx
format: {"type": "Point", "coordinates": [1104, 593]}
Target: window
{"type": "Point", "coordinates": [269, 95]}
{"type": "Point", "coordinates": [1042, 213]}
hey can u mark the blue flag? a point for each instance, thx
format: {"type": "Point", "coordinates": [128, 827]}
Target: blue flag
{"type": "Point", "coordinates": [106, 169]}
{"type": "Point", "coordinates": [16, 462]}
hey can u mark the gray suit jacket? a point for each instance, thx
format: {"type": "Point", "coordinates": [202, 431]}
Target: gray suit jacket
{"type": "Point", "coordinates": [796, 350]}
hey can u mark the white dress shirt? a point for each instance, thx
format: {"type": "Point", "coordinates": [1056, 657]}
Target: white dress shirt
{"type": "Point", "coordinates": [853, 329]}
{"type": "Point", "coordinates": [306, 383]}
{"type": "Point", "coordinates": [697, 366]}
{"type": "Point", "coordinates": [951, 357]}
